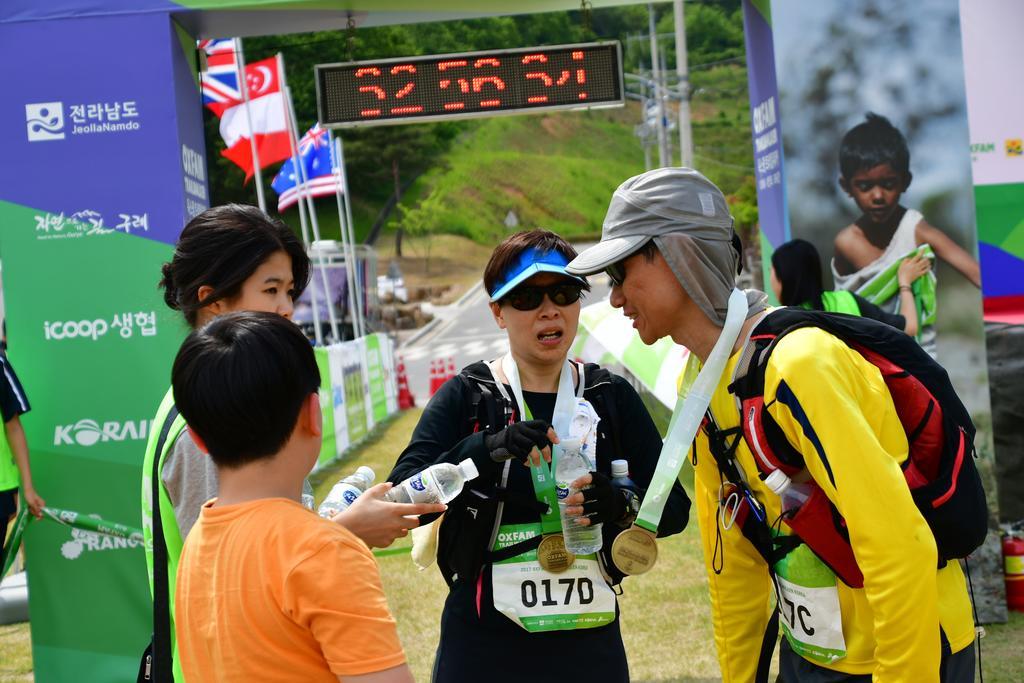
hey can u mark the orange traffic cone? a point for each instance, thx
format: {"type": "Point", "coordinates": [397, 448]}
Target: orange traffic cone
{"type": "Point", "coordinates": [451, 368]}
{"type": "Point", "coordinates": [436, 375]}
{"type": "Point", "coordinates": [405, 398]}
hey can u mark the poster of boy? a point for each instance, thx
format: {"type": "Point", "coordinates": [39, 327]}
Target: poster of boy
{"type": "Point", "coordinates": [872, 108]}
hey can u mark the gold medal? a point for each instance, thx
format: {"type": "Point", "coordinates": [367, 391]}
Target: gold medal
{"type": "Point", "coordinates": [634, 551]}
{"type": "Point", "coordinates": [552, 555]}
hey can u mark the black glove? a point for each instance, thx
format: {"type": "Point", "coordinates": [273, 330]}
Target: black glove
{"type": "Point", "coordinates": [603, 501]}
{"type": "Point", "coordinates": [518, 440]}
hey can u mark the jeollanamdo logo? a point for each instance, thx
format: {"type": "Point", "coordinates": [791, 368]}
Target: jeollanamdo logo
{"type": "Point", "coordinates": [91, 541]}
{"type": "Point", "coordinates": [88, 432]}
{"type": "Point", "coordinates": [1015, 147]}
{"type": "Point", "coordinates": [45, 121]}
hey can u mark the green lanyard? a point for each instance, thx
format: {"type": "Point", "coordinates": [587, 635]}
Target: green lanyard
{"type": "Point", "coordinates": [690, 408]}
{"type": "Point", "coordinates": [565, 406]}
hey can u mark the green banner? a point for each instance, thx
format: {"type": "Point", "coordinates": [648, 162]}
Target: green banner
{"type": "Point", "coordinates": [375, 378]}
{"type": "Point", "coordinates": [92, 341]}
{"type": "Point", "coordinates": [607, 337]}
{"type": "Point", "coordinates": [357, 391]}
{"type": "Point", "coordinates": [329, 447]}
{"type": "Point", "coordinates": [355, 396]}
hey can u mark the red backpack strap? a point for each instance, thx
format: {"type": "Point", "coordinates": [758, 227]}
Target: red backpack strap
{"type": "Point", "coordinates": [772, 450]}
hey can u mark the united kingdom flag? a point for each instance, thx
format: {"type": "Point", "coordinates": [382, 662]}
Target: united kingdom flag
{"type": "Point", "coordinates": [220, 80]}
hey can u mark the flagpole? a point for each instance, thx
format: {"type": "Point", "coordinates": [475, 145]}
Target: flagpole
{"type": "Point", "coordinates": [243, 86]}
{"type": "Point", "coordinates": [351, 229]}
{"type": "Point", "coordinates": [304, 192]}
{"type": "Point", "coordinates": [293, 140]}
{"type": "Point", "coordinates": [350, 264]}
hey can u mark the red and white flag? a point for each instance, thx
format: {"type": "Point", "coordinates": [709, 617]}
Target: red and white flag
{"type": "Point", "coordinates": [266, 106]}
{"type": "Point", "coordinates": [269, 120]}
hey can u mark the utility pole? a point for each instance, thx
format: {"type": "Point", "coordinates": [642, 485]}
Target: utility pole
{"type": "Point", "coordinates": [658, 94]}
{"type": "Point", "coordinates": [664, 94]}
{"type": "Point", "coordinates": [644, 140]}
{"type": "Point", "coordinates": [682, 71]}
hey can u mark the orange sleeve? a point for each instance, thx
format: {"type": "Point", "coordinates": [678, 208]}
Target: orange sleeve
{"type": "Point", "coordinates": [337, 594]}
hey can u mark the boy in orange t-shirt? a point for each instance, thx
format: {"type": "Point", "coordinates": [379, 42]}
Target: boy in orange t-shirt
{"type": "Point", "coordinates": [268, 591]}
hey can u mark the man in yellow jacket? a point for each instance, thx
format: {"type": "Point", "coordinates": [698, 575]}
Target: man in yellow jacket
{"type": "Point", "coordinates": [670, 250]}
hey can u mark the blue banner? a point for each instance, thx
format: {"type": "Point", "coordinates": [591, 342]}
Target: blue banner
{"type": "Point", "coordinates": [767, 134]}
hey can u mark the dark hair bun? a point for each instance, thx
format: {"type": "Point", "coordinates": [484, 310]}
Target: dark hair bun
{"type": "Point", "coordinates": [170, 291]}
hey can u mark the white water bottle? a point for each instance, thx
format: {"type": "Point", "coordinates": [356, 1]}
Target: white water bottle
{"type": "Point", "coordinates": [345, 492]}
{"type": "Point", "coordinates": [570, 465]}
{"type": "Point", "coordinates": [439, 483]}
{"type": "Point", "coordinates": [794, 496]}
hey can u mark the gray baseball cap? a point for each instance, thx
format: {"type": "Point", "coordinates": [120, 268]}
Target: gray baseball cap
{"type": "Point", "coordinates": [654, 204]}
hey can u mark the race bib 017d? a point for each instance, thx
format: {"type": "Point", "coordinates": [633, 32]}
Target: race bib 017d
{"type": "Point", "coordinates": [539, 600]}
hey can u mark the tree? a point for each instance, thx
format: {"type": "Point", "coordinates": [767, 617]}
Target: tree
{"type": "Point", "coordinates": [422, 220]}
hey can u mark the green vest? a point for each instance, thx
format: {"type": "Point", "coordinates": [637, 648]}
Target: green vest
{"type": "Point", "coordinates": [168, 522]}
{"type": "Point", "coordinates": [838, 301]}
{"type": "Point", "coordinates": [9, 477]}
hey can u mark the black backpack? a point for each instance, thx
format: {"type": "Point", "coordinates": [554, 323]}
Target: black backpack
{"type": "Point", "coordinates": [465, 540]}
{"type": "Point", "coordinates": [940, 469]}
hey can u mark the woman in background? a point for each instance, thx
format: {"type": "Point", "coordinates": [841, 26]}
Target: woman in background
{"type": "Point", "coordinates": [796, 281]}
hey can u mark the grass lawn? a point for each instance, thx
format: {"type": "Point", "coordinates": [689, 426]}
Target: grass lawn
{"type": "Point", "coordinates": [665, 613]}
{"type": "Point", "coordinates": [15, 653]}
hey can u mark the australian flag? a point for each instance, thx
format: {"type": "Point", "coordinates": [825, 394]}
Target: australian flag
{"type": "Point", "coordinates": [315, 155]}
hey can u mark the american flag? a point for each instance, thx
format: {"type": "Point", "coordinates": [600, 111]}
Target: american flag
{"type": "Point", "coordinates": [220, 80]}
{"type": "Point", "coordinates": [315, 155]}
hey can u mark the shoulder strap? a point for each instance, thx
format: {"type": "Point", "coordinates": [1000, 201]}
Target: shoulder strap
{"type": "Point", "coordinates": [602, 381]}
{"type": "Point", "coordinates": [162, 654]}
{"type": "Point", "coordinates": [480, 392]}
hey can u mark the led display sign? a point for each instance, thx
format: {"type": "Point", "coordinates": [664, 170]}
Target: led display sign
{"type": "Point", "coordinates": [436, 87]}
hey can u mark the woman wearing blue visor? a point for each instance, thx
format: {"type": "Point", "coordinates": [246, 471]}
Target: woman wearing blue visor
{"type": "Point", "coordinates": [520, 607]}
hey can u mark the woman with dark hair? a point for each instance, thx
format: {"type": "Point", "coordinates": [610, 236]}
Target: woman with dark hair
{"type": "Point", "coordinates": [796, 281]}
{"type": "Point", "coordinates": [520, 607]}
{"type": "Point", "coordinates": [228, 258]}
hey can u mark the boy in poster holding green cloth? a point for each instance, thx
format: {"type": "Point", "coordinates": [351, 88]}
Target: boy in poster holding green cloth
{"type": "Point", "coordinates": [669, 247]}
{"type": "Point", "coordinates": [874, 163]}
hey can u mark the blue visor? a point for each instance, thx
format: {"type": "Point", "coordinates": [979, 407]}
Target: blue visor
{"type": "Point", "coordinates": [529, 263]}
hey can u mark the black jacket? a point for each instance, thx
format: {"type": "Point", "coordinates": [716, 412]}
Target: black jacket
{"type": "Point", "coordinates": [453, 426]}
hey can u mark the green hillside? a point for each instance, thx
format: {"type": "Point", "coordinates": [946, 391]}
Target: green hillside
{"type": "Point", "coordinates": [556, 171]}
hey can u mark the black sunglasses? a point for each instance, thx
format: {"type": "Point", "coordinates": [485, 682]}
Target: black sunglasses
{"type": "Point", "coordinates": [616, 272]}
{"type": "Point", "coordinates": [530, 297]}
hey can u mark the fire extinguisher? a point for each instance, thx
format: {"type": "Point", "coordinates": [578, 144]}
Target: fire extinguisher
{"type": "Point", "coordinates": [1013, 558]}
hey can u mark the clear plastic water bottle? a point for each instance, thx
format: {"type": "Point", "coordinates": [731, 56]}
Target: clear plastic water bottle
{"type": "Point", "coordinates": [307, 495]}
{"type": "Point", "coordinates": [345, 492]}
{"type": "Point", "coordinates": [571, 464]}
{"type": "Point", "coordinates": [439, 483]}
{"type": "Point", "coordinates": [794, 496]}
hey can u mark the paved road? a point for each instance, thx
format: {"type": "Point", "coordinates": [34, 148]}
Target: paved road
{"type": "Point", "coordinates": [468, 334]}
